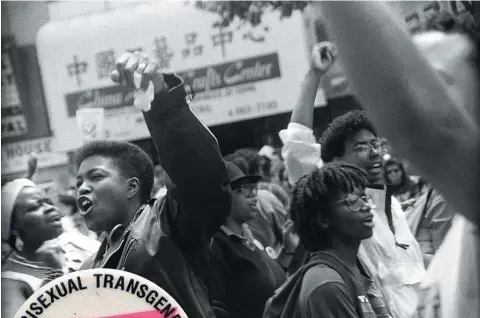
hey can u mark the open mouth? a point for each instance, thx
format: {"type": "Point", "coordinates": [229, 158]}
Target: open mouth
{"type": "Point", "coordinates": [85, 205]}
{"type": "Point", "coordinates": [368, 221]}
{"type": "Point", "coordinates": [375, 168]}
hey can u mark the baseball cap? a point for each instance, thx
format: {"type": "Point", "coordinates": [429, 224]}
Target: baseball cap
{"type": "Point", "coordinates": [237, 177]}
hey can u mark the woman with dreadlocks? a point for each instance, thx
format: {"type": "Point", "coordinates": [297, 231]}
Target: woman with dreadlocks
{"type": "Point", "coordinates": [331, 214]}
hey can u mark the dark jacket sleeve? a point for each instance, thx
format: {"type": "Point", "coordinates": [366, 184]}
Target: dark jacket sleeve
{"type": "Point", "coordinates": [219, 281]}
{"type": "Point", "coordinates": [190, 155]}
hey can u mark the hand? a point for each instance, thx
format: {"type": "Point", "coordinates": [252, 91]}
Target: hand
{"type": "Point", "coordinates": [32, 164]}
{"type": "Point", "coordinates": [408, 203]}
{"type": "Point", "coordinates": [51, 254]}
{"type": "Point", "coordinates": [137, 62]}
{"type": "Point", "coordinates": [290, 239]}
{"type": "Point", "coordinates": [323, 56]}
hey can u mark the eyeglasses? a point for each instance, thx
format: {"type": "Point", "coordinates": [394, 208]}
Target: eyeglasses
{"type": "Point", "coordinates": [248, 191]}
{"type": "Point", "coordinates": [375, 145]}
{"type": "Point", "coordinates": [355, 202]}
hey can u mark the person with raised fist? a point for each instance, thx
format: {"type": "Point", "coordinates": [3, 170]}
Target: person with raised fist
{"type": "Point", "coordinates": [353, 139]}
{"type": "Point", "coordinates": [165, 238]}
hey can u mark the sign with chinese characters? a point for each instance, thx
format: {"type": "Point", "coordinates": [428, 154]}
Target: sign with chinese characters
{"type": "Point", "coordinates": [76, 69]}
{"type": "Point", "coordinates": [234, 76]}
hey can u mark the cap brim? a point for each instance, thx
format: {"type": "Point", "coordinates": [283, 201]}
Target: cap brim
{"type": "Point", "coordinates": [246, 179]}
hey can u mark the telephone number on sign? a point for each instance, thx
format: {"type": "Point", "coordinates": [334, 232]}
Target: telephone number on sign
{"type": "Point", "coordinates": [258, 108]}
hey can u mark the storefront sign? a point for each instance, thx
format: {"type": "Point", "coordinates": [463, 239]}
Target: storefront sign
{"type": "Point", "coordinates": [233, 79]}
{"type": "Point", "coordinates": [14, 123]}
{"type": "Point", "coordinates": [255, 69]}
{"type": "Point", "coordinates": [15, 155]}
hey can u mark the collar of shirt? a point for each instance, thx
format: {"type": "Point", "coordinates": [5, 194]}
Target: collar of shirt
{"type": "Point", "coordinates": [115, 234]}
{"type": "Point", "coordinates": [246, 238]}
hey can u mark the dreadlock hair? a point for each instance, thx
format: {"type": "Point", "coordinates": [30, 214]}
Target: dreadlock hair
{"type": "Point", "coordinates": [313, 195]}
{"type": "Point", "coordinates": [341, 129]}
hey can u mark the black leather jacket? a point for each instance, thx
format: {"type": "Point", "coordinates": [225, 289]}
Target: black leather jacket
{"type": "Point", "coordinates": [167, 241]}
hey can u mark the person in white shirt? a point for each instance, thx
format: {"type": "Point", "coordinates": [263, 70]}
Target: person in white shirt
{"type": "Point", "coordinates": [429, 85]}
{"type": "Point", "coordinates": [392, 255]}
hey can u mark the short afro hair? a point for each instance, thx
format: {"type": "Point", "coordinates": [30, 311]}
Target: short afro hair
{"type": "Point", "coordinates": [312, 198]}
{"type": "Point", "coordinates": [129, 158]}
{"type": "Point", "coordinates": [340, 130]}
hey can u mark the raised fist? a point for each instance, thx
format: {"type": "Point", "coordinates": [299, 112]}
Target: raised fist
{"type": "Point", "coordinates": [148, 69]}
{"type": "Point", "coordinates": [323, 56]}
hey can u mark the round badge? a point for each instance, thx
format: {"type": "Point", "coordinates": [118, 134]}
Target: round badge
{"type": "Point", "coordinates": [101, 293]}
{"type": "Point", "coordinates": [271, 252]}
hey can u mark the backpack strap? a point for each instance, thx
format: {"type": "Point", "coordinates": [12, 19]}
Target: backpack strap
{"type": "Point", "coordinates": [424, 211]}
{"type": "Point", "coordinates": [283, 303]}
{"type": "Point", "coordinates": [328, 259]}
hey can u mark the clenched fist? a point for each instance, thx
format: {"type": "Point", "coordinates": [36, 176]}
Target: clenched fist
{"type": "Point", "coordinates": [140, 63]}
{"type": "Point", "coordinates": [323, 56]}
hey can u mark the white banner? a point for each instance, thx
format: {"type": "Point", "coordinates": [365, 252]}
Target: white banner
{"type": "Point", "coordinates": [15, 155]}
{"type": "Point", "coordinates": [238, 74]}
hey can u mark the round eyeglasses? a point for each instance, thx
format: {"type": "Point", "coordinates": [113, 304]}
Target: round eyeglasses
{"type": "Point", "coordinates": [356, 202]}
{"type": "Point", "coordinates": [248, 191]}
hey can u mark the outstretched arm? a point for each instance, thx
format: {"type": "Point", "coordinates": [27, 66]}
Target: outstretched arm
{"type": "Point", "coordinates": [406, 98]}
{"type": "Point", "coordinates": [303, 111]}
{"type": "Point", "coordinates": [32, 166]}
{"type": "Point", "coordinates": [300, 150]}
{"type": "Point", "coordinates": [187, 151]}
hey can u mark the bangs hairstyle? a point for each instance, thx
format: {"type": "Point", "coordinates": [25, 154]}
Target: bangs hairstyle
{"type": "Point", "coordinates": [313, 195]}
{"type": "Point", "coordinates": [340, 130]}
{"type": "Point", "coordinates": [131, 160]}
{"type": "Point", "coordinates": [394, 162]}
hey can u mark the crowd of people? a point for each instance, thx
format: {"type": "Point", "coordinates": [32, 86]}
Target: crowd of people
{"type": "Point", "coordinates": [321, 227]}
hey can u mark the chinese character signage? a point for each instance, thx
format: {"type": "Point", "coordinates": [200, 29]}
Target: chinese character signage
{"type": "Point", "coordinates": [234, 75]}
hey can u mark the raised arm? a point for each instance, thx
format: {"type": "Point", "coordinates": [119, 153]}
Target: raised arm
{"type": "Point", "coordinates": [187, 151]}
{"type": "Point", "coordinates": [300, 150]}
{"type": "Point", "coordinates": [303, 111]}
{"type": "Point", "coordinates": [406, 98]}
{"type": "Point", "coordinates": [31, 166]}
